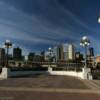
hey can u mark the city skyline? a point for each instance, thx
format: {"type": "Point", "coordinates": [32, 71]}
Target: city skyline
{"type": "Point", "coordinates": [35, 25]}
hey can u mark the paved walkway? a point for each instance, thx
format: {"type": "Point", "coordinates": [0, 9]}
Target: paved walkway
{"type": "Point", "coordinates": [91, 90]}
{"type": "Point", "coordinates": [11, 93]}
{"type": "Point", "coordinates": [24, 95]}
{"type": "Point", "coordinates": [49, 90]}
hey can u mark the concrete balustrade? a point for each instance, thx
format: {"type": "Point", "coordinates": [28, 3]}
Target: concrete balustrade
{"type": "Point", "coordinates": [84, 74]}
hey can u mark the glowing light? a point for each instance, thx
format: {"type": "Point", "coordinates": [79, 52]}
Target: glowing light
{"type": "Point", "coordinates": [99, 20]}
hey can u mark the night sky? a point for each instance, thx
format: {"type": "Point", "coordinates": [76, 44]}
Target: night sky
{"type": "Point", "coordinates": [35, 25]}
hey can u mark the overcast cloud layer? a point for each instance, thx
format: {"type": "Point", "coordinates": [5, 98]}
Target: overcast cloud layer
{"type": "Point", "coordinates": [37, 24]}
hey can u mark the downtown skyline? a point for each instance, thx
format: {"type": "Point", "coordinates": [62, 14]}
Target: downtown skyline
{"type": "Point", "coordinates": [35, 25]}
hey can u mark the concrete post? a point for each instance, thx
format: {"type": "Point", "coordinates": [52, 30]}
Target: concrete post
{"type": "Point", "coordinates": [87, 74]}
{"type": "Point", "coordinates": [49, 69]}
{"type": "Point", "coordinates": [5, 73]}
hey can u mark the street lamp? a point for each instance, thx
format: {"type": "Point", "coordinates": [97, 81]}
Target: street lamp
{"type": "Point", "coordinates": [7, 45]}
{"type": "Point", "coordinates": [98, 19]}
{"type": "Point", "coordinates": [85, 42]}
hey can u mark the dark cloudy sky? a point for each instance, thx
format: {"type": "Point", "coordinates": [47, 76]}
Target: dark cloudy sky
{"type": "Point", "coordinates": [37, 24]}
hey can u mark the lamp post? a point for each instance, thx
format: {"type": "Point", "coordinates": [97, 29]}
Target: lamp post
{"type": "Point", "coordinates": [7, 45]}
{"type": "Point", "coordinates": [85, 42]}
{"type": "Point", "coordinates": [99, 20]}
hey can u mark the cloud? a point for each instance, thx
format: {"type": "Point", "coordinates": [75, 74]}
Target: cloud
{"type": "Point", "coordinates": [19, 25]}
{"type": "Point", "coordinates": [37, 24]}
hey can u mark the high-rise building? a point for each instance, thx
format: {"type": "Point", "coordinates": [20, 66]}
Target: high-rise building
{"type": "Point", "coordinates": [50, 55]}
{"type": "Point", "coordinates": [78, 57]}
{"type": "Point", "coordinates": [60, 53]}
{"type": "Point", "coordinates": [65, 51]}
{"type": "Point", "coordinates": [91, 52]}
{"type": "Point", "coordinates": [55, 53]}
{"type": "Point", "coordinates": [90, 57]}
{"type": "Point", "coordinates": [31, 56]}
{"type": "Point", "coordinates": [17, 53]}
{"type": "Point", "coordinates": [71, 52]}
{"type": "Point", "coordinates": [2, 56]}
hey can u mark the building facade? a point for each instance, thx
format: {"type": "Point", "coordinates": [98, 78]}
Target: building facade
{"type": "Point", "coordinates": [17, 53]}
{"type": "Point", "coordinates": [71, 52]}
{"type": "Point", "coordinates": [65, 51]}
{"type": "Point", "coordinates": [31, 56]}
{"type": "Point", "coordinates": [78, 57]}
{"type": "Point", "coordinates": [90, 57]}
{"type": "Point", "coordinates": [2, 57]}
{"type": "Point", "coordinates": [60, 53]}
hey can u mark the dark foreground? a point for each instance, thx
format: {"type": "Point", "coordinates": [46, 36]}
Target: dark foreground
{"type": "Point", "coordinates": [44, 81]}
{"type": "Point", "coordinates": [22, 95]}
{"type": "Point", "coordinates": [46, 87]}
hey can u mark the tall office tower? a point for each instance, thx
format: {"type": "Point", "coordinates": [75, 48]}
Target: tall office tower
{"type": "Point", "coordinates": [65, 51]}
{"type": "Point", "coordinates": [55, 53]}
{"type": "Point", "coordinates": [91, 52]}
{"type": "Point", "coordinates": [2, 56]}
{"type": "Point", "coordinates": [60, 54]}
{"type": "Point", "coordinates": [71, 52]}
{"type": "Point", "coordinates": [31, 56]}
{"type": "Point", "coordinates": [17, 53]}
{"type": "Point", "coordinates": [90, 57]}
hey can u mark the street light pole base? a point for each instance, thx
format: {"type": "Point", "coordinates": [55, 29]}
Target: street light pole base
{"type": "Point", "coordinates": [87, 73]}
{"type": "Point", "coordinates": [5, 73]}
